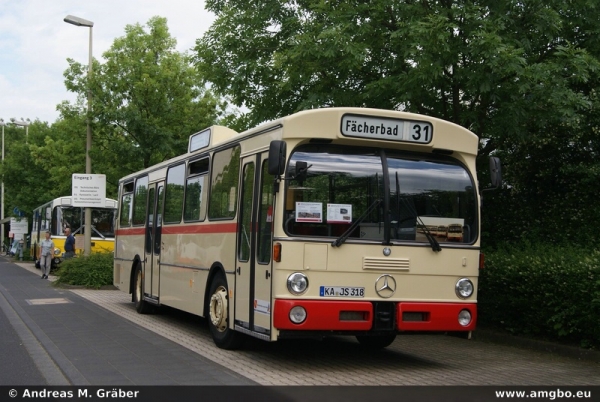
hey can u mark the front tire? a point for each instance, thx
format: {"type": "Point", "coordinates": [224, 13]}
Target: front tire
{"type": "Point", "coordinates": [218, 316]}
{"type": "Point", "coordinates": [376, 341]}
{"type": "Point", "coordinates": [141, 306]}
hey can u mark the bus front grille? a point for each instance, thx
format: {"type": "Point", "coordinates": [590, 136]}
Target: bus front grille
{"type": "Point", "coordinates": [396, 264]}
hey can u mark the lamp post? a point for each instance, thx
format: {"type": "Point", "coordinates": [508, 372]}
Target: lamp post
{"type": "Point", "coordinates": [80, 22]}
{"type": "Point", "coordinates": [23, 123]}
{"type": "Point", "coordinates": [2, 123]}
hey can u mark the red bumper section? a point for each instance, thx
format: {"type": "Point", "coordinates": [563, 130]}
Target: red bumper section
{"type": "Point", "coordinates": [359, 316]}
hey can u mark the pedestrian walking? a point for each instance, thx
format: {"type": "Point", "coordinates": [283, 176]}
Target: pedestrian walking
{"type": "Point", "coordinates": [69, 244]}
{"type": "Point", "coordinates": [47, 246]}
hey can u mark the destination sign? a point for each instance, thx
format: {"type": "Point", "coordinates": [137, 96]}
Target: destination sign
{"type": "Point", "coordinates": [386, 129]}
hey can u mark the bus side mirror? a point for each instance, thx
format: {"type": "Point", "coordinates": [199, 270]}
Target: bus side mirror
{"type": "Point", "coordinates": [277, 151]}
{"type": "Point", "coordinates": [496, 171]}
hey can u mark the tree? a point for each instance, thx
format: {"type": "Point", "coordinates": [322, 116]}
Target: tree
{"type": "Point", "coordinates": [521, 74]}
{"type": "Point", "coordinates": [146, 98]}
{"type": "Point", "coordinates": [26, 181]}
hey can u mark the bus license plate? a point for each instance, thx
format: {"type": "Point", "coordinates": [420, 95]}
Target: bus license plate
{"type": "Point", "coordinates": [341, 291]}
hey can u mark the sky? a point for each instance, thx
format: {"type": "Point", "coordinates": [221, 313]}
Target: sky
{"type": "Point", "coordinates": [35, 44]}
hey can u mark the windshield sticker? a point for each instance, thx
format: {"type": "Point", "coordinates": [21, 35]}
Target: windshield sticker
{"type": "Point", "coordinates": [339, 213]}
{"type": "Point", "coordinates": [309, 212]}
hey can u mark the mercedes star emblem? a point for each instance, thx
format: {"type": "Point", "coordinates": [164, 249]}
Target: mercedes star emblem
{"type": "Point", "coordinates": [385, 286]}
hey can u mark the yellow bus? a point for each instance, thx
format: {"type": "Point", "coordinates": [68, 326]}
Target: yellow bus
{"type": "Point", "coordinates": [455, 232]}
{"type": "Point", "coordinates": [311, 225]}
{"type": "Point", "coordinates": [58, 214]}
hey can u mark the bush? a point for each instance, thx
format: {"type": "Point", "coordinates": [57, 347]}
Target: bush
{"type": "Point", "coordinates": [91, 271]}
{"type": "Point", "coordinates": [547, 292]}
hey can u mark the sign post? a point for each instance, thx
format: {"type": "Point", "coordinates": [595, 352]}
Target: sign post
{"type": "Point", "coordinates": [88, 191]}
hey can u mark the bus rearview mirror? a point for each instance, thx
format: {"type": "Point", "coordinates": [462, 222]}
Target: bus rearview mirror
{"type": "Point", "coordinates": [277, 151]}
{"type": "Point", "coordinates": [496, 171]}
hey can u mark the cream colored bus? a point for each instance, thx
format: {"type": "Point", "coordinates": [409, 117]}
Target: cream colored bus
{"type": "Point", "coordinates": [306, 226]}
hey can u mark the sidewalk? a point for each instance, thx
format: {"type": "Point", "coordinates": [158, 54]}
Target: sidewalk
{"type": "Point", "coordinates": [74, 342]}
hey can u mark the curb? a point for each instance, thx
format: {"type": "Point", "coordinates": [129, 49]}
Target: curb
{"type": "Point", "coordinates": [67, 286]}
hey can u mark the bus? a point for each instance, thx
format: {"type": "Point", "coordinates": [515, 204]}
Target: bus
{"type": "Point", "coordinates": [455, 232]}
{"type": "Point", "coordinates": [59, 213]}
{"type": "Point", "coordinates": [311, 225]}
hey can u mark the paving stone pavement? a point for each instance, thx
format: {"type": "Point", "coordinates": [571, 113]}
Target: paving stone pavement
{"type": "Point", "coordinates": [410, 360]}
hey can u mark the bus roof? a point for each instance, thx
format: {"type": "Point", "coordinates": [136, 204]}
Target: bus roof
{"type": "Point", "coordinates": [327, 123]}
{"type": "Point", "coordinates": [67, 200]}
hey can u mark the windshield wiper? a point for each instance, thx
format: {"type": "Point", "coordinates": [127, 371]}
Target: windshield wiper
{"type": "Point", "coordinates": [340, 240]}
{"type": "Point", "coordinates": [435, 245]}
{"type": "Point", "coordinates": [99, 234]}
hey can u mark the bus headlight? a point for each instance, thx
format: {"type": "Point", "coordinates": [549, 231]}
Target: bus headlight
{"type": "Point", "coordinates": [297, 314]}
{"type": "Point", "coordinates": [464, 318]}
{"type": "Point", "coordinates": [297, 283]}
{"type": "Point", "coordinates": [464, 288]}
{"type": "Point", "coordinates": [56, 251]}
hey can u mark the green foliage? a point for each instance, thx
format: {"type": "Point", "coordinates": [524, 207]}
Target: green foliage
{"type": "Point", "coordinates": [147, 98]}
{"type": "Point", "coordinates": [91, 271]}
{"type": "Point", "coordinates": [543, 292]}
{"type": "Point", "coordinates": [523, 75]}
{"type": "Point", "coordinates": [23, 168]}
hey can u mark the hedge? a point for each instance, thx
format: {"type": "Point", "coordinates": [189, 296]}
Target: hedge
{"type": "Point", "coordinates": [551, 293]}
{"type": "Point", "coordinates": [93, 271]}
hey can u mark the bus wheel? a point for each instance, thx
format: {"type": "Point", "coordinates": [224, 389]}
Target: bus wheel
{"type": "Point", "coordinates": [140, 305]}
{"type": "Point", "coordinates": [223, 336]}
{"type": "Point", "coordinates": [376, 341]}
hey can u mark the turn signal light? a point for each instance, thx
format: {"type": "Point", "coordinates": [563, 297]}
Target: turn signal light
{"type": "Point", "coordinates": [481, 260]}
{"type": "Point", "coordinates": [277, 252]}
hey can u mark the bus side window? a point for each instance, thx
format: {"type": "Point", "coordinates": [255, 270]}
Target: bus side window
{"type": "Point", "coordinates": [195, 193]}
{"type": "Point", "coordinates": [126, 200]}
{"type": "Point", "coordinates": [174, 194]}
{"type": "Point", "coordinates": [224, 183]}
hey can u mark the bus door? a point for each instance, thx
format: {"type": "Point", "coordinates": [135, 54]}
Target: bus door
{"type": "Point", "coordinates": [153, 239]}
{"type": "Point", "coordinates": [254, 238]}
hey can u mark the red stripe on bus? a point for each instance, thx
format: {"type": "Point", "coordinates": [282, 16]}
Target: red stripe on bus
{"type": "Point", "coordinates": [434, 316]}
{"type": "Point", "coordinates": [130, 231]}
{"type": "Point", "coordinates": [187, 229]}
{"type": "Point", "coordinates": [211, 228]}
{"type": "Point", "coordinates": [326, 315]}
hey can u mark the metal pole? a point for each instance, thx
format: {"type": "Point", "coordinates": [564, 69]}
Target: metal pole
{"type": "Point", "coordinates": [80, 22]}
{"type": "Point", "coordinates": [2, 191]}
{"type": "Point", "coordinates": [88, 161]}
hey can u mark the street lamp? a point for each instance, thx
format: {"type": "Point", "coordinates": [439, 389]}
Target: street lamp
{"type": "Point", "coordinates": [80, 22]}
{"type": "Point", "coordinates": [23, 123]}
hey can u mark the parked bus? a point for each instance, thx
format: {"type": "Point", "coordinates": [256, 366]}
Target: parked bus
{"type": "Point", "coordinates": [307, 226]}
{"type": "Point", "coordinates": [455, 232]}
{"type": "Point", "coordinates": [58, 214]}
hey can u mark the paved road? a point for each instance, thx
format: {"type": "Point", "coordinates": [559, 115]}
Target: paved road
{"type": "Point", "coordinates": [72, 341]}
{"type": "Point", "coordinates": [13, 351]}
{"type": "Point", "coordinates": [149, 344]}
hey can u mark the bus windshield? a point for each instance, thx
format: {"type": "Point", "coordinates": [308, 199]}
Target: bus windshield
{"type": "Point", "coordinates": [413, 196]}
{"type": "Point", "coordinates": [73, 217]}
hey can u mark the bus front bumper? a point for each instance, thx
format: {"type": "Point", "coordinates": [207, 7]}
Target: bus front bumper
{"type": "Point", "coordinates": [338, 315]}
